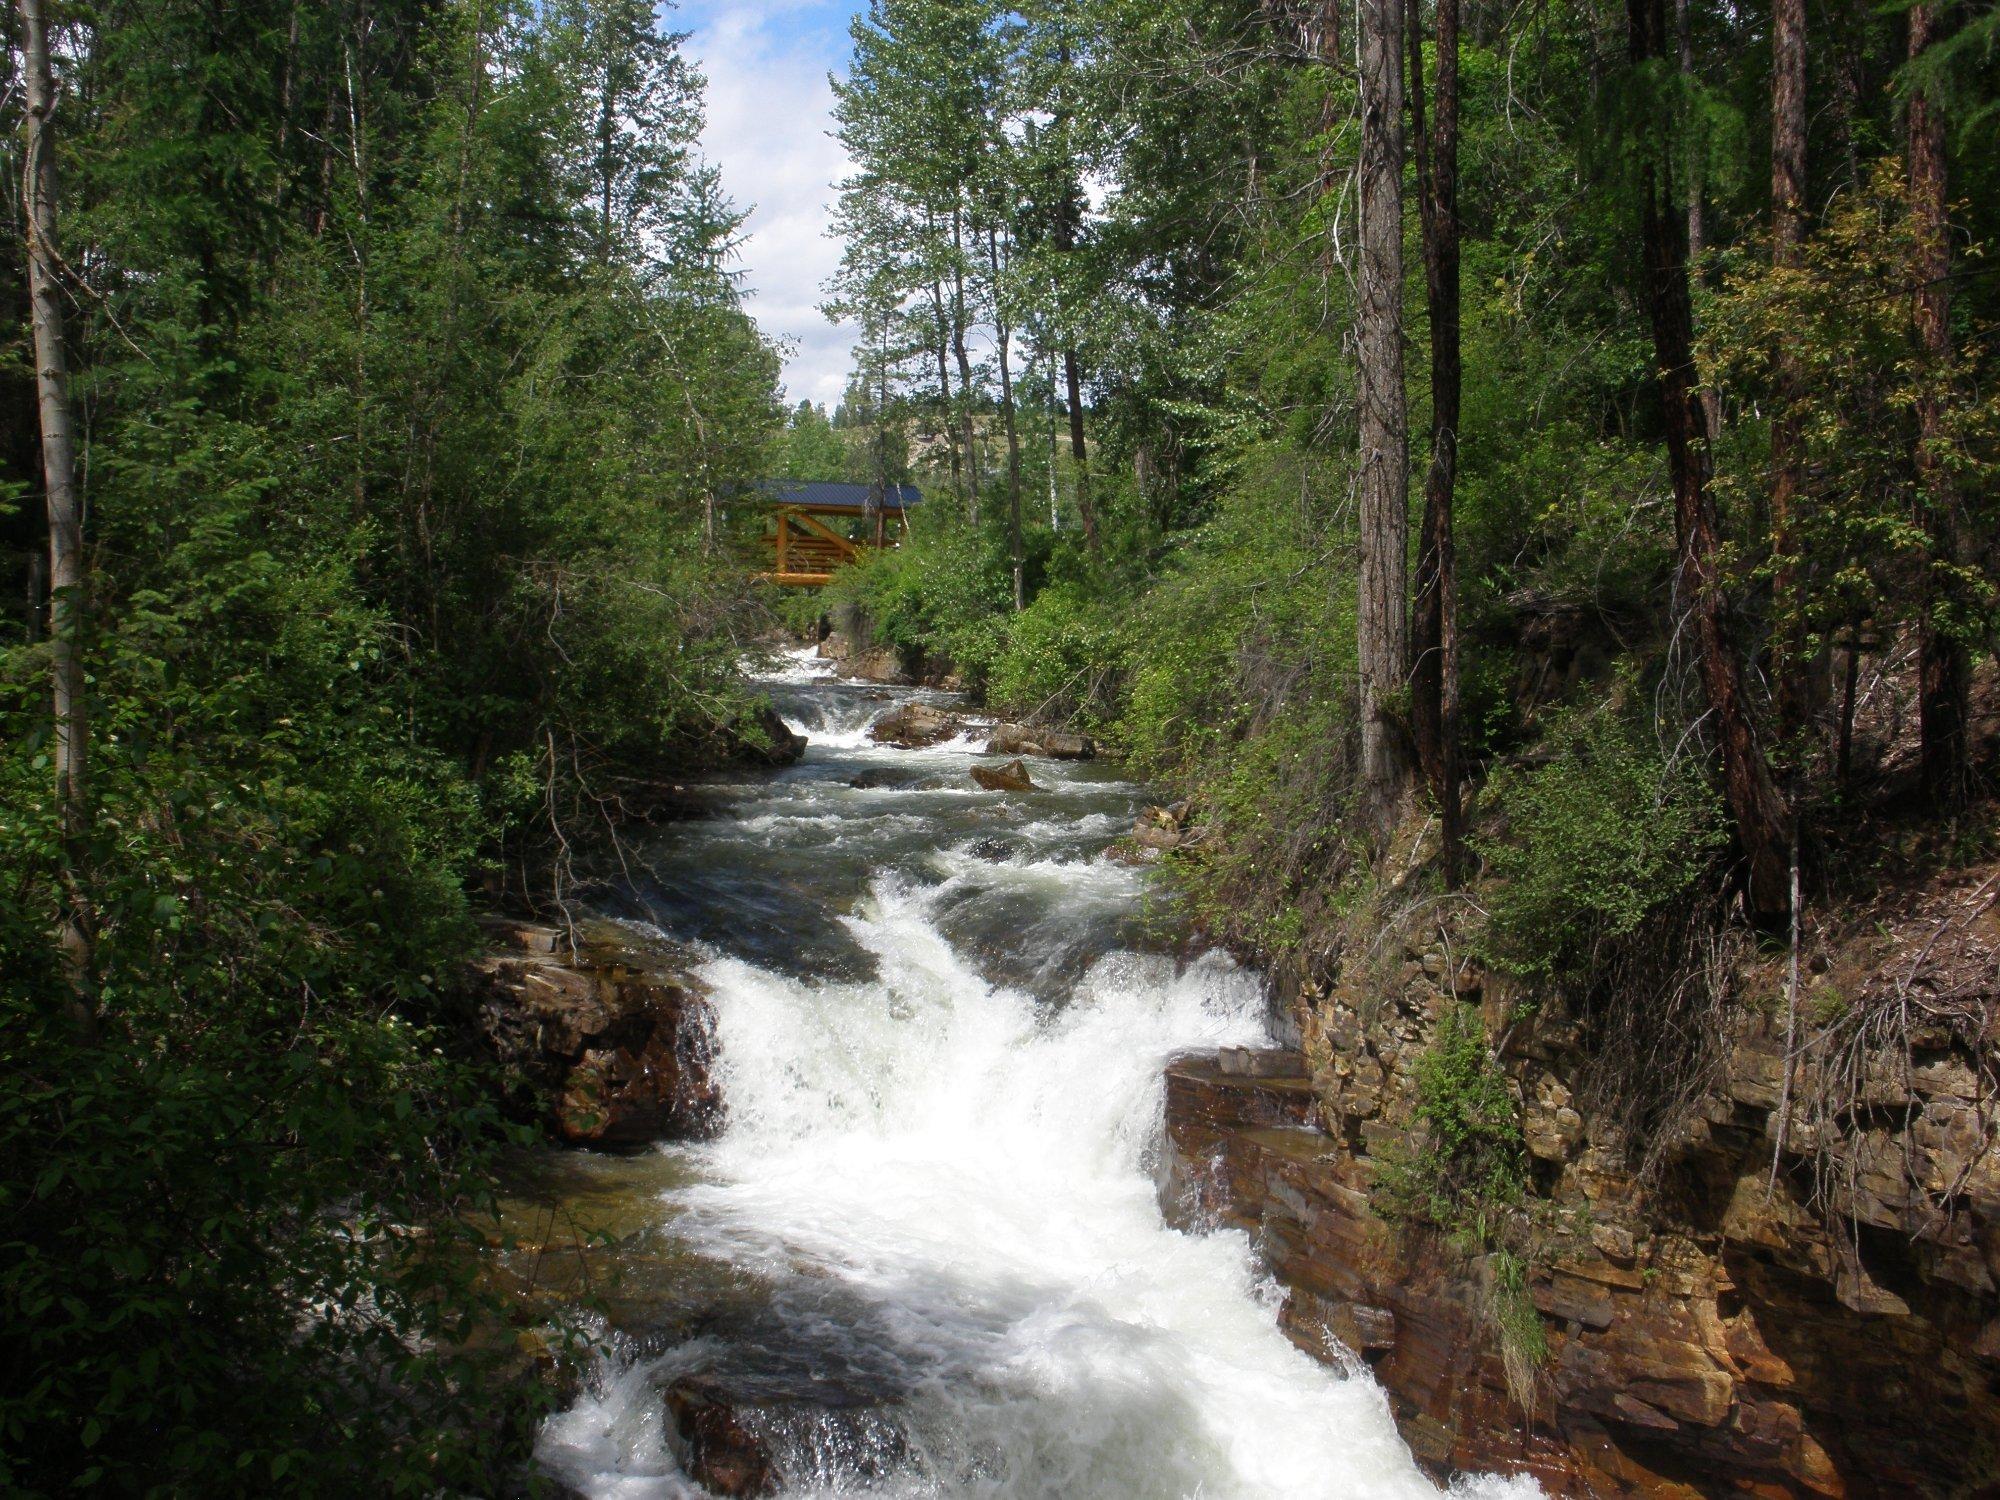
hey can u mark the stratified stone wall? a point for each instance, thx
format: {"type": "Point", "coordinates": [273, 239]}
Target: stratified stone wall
{"type": "Point", "coordinates": [1707, 1337]}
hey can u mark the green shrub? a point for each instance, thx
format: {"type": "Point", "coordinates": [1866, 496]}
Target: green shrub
{"type": "Point", "coordinates": [1603, 834]}
{"type": "Point", "coordinates": [1063, 658]}
{"type": "Point", "coordinates": [1466, 1160]}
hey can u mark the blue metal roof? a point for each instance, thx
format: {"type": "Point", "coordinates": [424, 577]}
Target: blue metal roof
{"type": "Point", "coordinates": [828, 494]}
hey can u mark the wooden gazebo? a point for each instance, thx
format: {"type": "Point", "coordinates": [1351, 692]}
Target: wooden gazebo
{"type": "Point", "coordinates": [819, 524]}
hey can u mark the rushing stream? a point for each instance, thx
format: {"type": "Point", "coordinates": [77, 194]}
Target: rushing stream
{"type": "Point", "coordinates": [931, 1218]}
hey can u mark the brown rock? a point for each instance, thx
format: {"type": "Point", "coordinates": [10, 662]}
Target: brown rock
{"type": "Point", "coordinates": [1055, 744]}
{"type": "Point", "coordinates": [720, 1453]}
{"type": "Point", "coordinates": [911, 726]}
{"type": "Point", "coordinates": [762, 737]}
{"type": "Point", "coordinates": [613, 1045]}
{"type": "Point", "coordinates": [1012, 777]}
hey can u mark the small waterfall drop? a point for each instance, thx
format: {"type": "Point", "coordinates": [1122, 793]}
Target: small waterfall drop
{"type": "Point", "coordinates": [937, 1168]}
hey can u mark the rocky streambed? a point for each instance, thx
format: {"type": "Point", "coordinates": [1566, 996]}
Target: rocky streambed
{"type": "Point", "coordinates": [919, 1168]}
{"type": "Point", "coordinates": [883, 1053]}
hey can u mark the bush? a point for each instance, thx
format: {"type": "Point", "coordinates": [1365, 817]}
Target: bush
{"type": "Point", "coordinates": [1604, 834]}
{"type": "Point", "coordinates": [1467, 1159]}
{"type": "Point", "coordinates": [1064, 658]}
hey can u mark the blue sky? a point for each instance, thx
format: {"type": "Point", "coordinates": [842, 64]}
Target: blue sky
{"type": "Point", "coordinates": [769, 114]}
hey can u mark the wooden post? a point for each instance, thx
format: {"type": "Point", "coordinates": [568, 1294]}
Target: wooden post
{"type": "Point", "coordinates": [783, 539]}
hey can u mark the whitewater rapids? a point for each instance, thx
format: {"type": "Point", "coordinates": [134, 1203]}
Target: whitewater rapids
{"type": "Point", "coordinates": [938, 1168]}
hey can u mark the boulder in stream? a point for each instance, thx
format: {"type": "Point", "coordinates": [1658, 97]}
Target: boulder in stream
{"type": "Point", "coordinates": [719, 1452]}
{"type": "Point", "coordinates": [611, 1039]}
{"type": "Point", "coordinates": [739, 1435]}
{"type": "Point", "coordinates": [1055, 744]}
{"type": "Point", "coordinates": [1012, 777]}
{"type": "Point", "coordinates": [878, 778]}
{"type": "Point", "coordinates": [762, 737]}
{"type": "Point", "coordinates": [911, 726]}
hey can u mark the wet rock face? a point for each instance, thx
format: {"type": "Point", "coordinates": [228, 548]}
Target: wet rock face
{"type": "Point", "coordinates": [1708, 1336]}
{"type": "Point", "coordinates": [612, 1044]}
{"type": "Point", "coordinates": [744, 1436]}
{"type": "Point", "coordinates": [767, 740]}
{"type": "Point", "coordinates": [912, 726]}
{"type": "Point", "coordinates": [1051, 744]}
{"type": "Point", "coordinates": [718, 1451]}
{"type": "Point", "coordinates": [1012, 777]}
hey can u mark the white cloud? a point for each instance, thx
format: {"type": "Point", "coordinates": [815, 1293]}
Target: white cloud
{"type": "Point", "coordinates": [770, 114]}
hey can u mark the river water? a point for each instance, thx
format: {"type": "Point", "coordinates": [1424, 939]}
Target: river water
{"type": "Point", "coordinates": [931, 1215]}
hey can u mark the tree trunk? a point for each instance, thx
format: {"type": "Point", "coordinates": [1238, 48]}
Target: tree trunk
{"type": "Point", "coordinates": [1762, 825]}
{"type": "Point", "coordinates": [1003, 336]}
{"type": "Point", "coordinates": [1941, 662]}
{"type": "Point", "coordinates": [1383, 621]}
{"type": "Point", "coordinates": [68, 590]}
{"type": "Point", "coordinates": [1790, 683]}
{"type": "Point", "coordinates": [1069, 215]}
{"type": "Point", "coordinates": [966, 430]}
{"type": "Point", "coordinates": [943, 352]}
{"type": "Point", "coordinates": [1434, 628]}
{"type": "Point", "coordinates": [1079, 454]}
{"type": "Point", "coordinates": [1697, 218]}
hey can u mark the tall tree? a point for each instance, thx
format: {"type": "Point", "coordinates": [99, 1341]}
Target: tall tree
{"type": "Point", "coordinates": [69, 610]}
{"type": "Point", "coordinates": [1050, 132]}
{"type": "Point", "coordinates": [1434, 625]}
{"type": "Point", "coordinates": [1383, 635]}
{"type": "Point", "coordinates": [1941, 665]}
{"type": "Point", "coordinates": [1759, 814]}
{"type": "Point", "coordinates": [1788, 188]}
{"type": "Point", "coordinates": [1003, 330]}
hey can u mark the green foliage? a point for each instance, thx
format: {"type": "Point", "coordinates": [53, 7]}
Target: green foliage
{"type": "Point", "coordinates": [1465, 1163]}
{"type": "Point", "coordinates": [944, 591]}
{"type": "Point", "coordinates": [1857, 550]}
{"type": "Point", "coordinates": [1063, 658]}
{"type": "Point", "coordinates": [413, 375]}
{"type": "Point", "coordinates": [1597, 838]}
{"type": "Point", "coordinates": [809, 447]}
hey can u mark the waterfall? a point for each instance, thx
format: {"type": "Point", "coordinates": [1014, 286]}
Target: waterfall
{"type": "Point", "coordinates": [939, 1179]}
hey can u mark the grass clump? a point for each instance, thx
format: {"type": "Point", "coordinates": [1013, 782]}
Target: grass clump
{"type": "Point", "coordinates": [1463, 1172]}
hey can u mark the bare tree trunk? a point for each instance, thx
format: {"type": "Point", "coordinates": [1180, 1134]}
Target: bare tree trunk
{"type": "Point", "coordinates": [1055, 498]}
{"type": "Point", "coordinates": [1069, 214]}
{"type": "Point", "coordinates": [1697, 218]}
{"type": "Point", "coordinates": [1434, 628]}
{"type": "Point", "coordinates": [1790, 682]}
{"type": "Point", "coordinates": [68, 588]}
{"type": "Point", "coordinates": [1383, 635]}
{"type": "Point", "coordinates": [1078, 453]}
{"type": "Point", "coordinates": [1762, 825]}
{"type": "Point", "coordinates": [1941, 665]}
{"type": "Point", "coordinates": [359, 245]}
{"type": "Point", "coordinates": [943, 352]}
{"type": "Point", "coordinates": [1004, 336]}
{"type": "Point", "coordinates": [958, 323]}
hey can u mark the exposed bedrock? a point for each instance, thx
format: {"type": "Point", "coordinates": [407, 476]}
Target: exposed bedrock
{"type": "Point", "coordinates": [1710, 1336]}
{"type": "Point", "coordinates": [610, 1042]}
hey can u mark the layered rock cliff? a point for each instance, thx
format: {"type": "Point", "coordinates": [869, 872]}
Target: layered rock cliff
{"type": "Point", "coordinates": [1714, 1323]}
